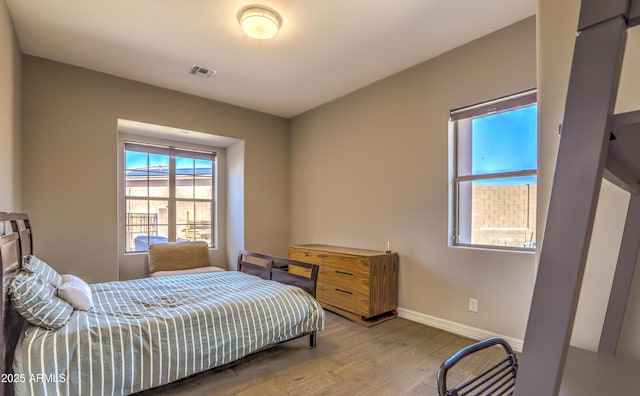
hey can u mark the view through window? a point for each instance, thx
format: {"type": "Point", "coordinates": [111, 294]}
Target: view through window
{"type": "Point", "coordinates": [495, 173]}
{"type": "Point", "coordinates": [169, 195]}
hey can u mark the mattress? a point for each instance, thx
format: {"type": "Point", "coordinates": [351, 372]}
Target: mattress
{"type": "Point", "coordinates": [149, 332]}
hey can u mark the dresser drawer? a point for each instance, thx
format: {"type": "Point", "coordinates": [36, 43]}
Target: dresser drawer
{"type": "Point", "coordinates": [350, 264]}
{"type": "Point", "coordinates": [338, 262]}
{"type": "Point", "coordinates": [344, 299]}
{"type": "Point", "coordinates": [306, 256]}
{"type": "Point", "coordinates": [344, 280]}
{"type": "Point", "coordinates": [298, 270]}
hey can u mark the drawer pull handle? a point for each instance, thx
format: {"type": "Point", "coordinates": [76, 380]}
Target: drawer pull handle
{"type": "Point", "coordinates": [344, 273]}
{"type": "Point", "coordinates": [344, 291]}
{"type": "Point", "coordinates": [323, 255]}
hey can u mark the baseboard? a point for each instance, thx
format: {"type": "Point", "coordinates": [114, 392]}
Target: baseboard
{"type": "Point", "coordinates": [456, 328]}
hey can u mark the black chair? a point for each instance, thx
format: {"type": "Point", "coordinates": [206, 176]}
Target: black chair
{"type": "Point", "coordinates": [499, 379]}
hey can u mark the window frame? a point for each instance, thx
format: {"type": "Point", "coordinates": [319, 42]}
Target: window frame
{"type": "Point", "coordinates": [173, 150]}
{"type": "Point", "coordinates": [503, 104]}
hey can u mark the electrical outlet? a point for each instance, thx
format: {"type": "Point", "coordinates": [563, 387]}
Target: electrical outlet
{"type": "Point", "coordinates": [473, 304]}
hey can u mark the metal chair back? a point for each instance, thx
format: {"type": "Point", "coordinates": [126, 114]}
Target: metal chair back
{"type": "Point", "coordinates": [497, 380]}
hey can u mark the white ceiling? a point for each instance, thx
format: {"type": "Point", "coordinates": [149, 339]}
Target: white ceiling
{"type": "Point", "coordinates": [325, 48]}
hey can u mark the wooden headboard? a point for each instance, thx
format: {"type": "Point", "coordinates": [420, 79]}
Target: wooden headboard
{"type": "Point", "coordinates": [15, 242]}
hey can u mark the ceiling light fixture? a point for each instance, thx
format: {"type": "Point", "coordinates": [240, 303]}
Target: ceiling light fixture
{"type": "Point", "coordinates": [260, 23]}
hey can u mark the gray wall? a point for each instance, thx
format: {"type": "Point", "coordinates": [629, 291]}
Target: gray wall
{"type": "Point", "coordinates": [373, 166]}
{"type": "Point", "coordinates": [70, 173]}
{"type": "Point", "coordinates": [10, 78]}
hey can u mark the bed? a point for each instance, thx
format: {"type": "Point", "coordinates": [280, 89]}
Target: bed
{"type": "Point", "coordinates": [144, 333]}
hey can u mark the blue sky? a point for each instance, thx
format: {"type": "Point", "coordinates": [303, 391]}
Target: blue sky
{"type": "Point", "coordinates": [136, 160]}
{"type": "Point", "coordinates": [505, 142]}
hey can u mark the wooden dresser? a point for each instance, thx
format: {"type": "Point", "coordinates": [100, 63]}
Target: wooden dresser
{"type": "Point", "coordinates": [361, 285]}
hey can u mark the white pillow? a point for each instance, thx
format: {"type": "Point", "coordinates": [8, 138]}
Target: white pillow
{"type": "Point", "coordinates": [76, 292]}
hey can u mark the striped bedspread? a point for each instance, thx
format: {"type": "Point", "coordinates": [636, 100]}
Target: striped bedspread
{"type": "Point", "coordinates": [153, 331]}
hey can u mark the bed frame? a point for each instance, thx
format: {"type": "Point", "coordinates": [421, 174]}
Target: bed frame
{"type": "Point", "coordinates": [16, 242]}
{"type": "Point", "coordinates": [277, 268]}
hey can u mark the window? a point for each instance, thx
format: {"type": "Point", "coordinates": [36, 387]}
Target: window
{"type": "Point", "coordinates": [169, 195]}
{"type": "Point", "coordinates": [494, 173]}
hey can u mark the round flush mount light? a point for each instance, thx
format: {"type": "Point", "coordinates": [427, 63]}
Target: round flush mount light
{"type": "Point", "coordinates": [260, 23]}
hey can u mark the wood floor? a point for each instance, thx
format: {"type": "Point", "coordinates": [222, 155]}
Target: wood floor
{"type": "Point", "coordinates": [397, 357]}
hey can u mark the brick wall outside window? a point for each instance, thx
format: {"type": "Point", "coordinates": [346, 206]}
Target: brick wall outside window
{"type": "Point", "coordinates": [503, 215]}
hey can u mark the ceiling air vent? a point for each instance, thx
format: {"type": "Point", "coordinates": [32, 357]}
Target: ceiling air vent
{"type": "Point", "coordinates": [201, 71]}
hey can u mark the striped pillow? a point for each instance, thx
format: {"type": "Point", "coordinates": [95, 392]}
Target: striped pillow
{"type": "Point", "coordinates": [35, 299]}
{"type": "Point", "coordinates": [37, 266]}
